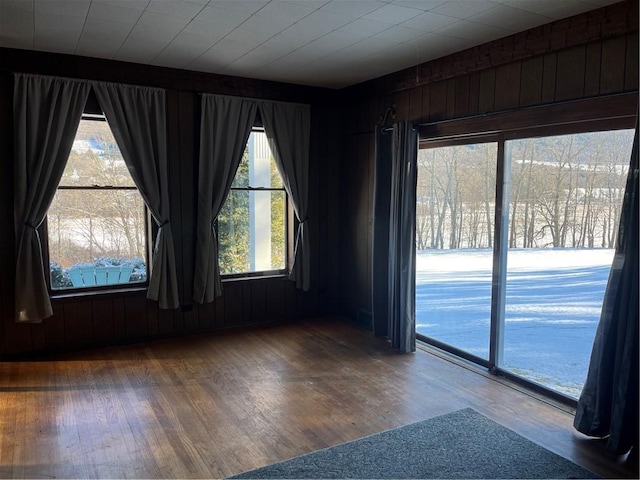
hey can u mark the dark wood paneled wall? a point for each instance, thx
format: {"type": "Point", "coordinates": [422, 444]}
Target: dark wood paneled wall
{"type": "Point", "coordinates": [589, 55]}
{"type": "Point", "coordinates": [83, 321]}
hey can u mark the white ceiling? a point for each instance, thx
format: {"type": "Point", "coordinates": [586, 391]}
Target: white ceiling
{"type": "Point", "coordinates": [327, 43]}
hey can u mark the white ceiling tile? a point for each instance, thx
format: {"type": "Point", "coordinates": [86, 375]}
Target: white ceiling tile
{"type": "Point", "coordinates": [235, 48]}
{"type": "Point", "coordinates": [464, 8]}
{"type": "Point", "coordinates": [331, 42]}
{"type": "Point", "coordinates": [551, 8]}
{"type": "Point", "coordinates": [315, 42]}
{"type": "Point", "coordinates": [270, 25]}
{"type": "Point", "coordinates": [324, 21]}
{"type": "Point", "coordinates": [478, 32]}
{"type": "Point", "coordinates": [214, 17]}
{"type": "Point", "coordinates": [71, 8]}
{"type": "Point", "coordinates": [138, 5]}
{"type": "Point", "coordinates": [59, 33]}
{"type": "Point", "coordinates": [365, 48]}
{"type": "Point", "coordinates": [285, 10]}
{"type": "Point", "coordinates": [245, 6]}
{"type": "Point", "coordinates": [364, 28]}
{"type": "Point", "coordinates": [511, 18]}
{"type": "Point", "coordinates": [90, 48]}
{"type": "Point", "coordinates": [353, 8]}
{"type": "Point", "coordinates": [429, 22]}
{"type": "Point", "coordinates": [175, 8]}
{"type": "Point", "coordinates": [393, 14]}
{"type": "Point", "coordinates": [251, 61]}
{"type": "Point", "coordinates": [16, 24]}
{"type": "Point", "coordinates": [160, 27]}
{"type": "Point", "coordinates": [424, 5]}
{"type": "Point", "coordinates": [114, 12]}
{"type": "Point", "coordinates": [104, 31]}
{"type": "Point", "coordinates": [399, 34]}
{"type": "Point", "coordinates": [248, 37]}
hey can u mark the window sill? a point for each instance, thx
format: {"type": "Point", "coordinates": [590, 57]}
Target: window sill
{"type": "Point", "coordinates": [242, 278]}
{"type": "Point", "coordinates": [97, 293]}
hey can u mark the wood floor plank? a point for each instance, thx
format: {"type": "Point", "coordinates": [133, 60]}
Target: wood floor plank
{"type": "Point", "coordinates": [210, 406]}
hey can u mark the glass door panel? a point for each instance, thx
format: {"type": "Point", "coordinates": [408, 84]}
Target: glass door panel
{"type": "Point", "coordinates": [455, 211]}
{"type": "Point", "coordinates": [565, 198]}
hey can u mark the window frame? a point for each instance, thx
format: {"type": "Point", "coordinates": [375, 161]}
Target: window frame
{"type": "Point", "coordinates": [149, 230]}
{"type": "Point", "coordinates": [290, 224]}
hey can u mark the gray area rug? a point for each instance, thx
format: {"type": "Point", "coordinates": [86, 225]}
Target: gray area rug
{"type": "Point", "coordinates": [462, 444]}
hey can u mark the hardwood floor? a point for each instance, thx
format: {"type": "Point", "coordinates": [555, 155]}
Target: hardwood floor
{"type": "Point", "coordinates": [216, 405]}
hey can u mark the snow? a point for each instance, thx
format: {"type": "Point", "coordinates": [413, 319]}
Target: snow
{"type": "Point", "coordinates": [553, 302]}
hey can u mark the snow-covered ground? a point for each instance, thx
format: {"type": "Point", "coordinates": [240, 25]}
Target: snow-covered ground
{"type": "Point", "coordinates": [553, 301]}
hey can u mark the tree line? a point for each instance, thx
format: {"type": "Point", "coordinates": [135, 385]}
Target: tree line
{"type": "Point", "coordinates": [565, 191]}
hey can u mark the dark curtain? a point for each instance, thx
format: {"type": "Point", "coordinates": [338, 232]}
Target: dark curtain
{"type": "Point", "coordinates": [47, 112]}
{"type": "Point", "coordinates": [394, 228]}
{"type": "Point", "coordinates": [608, 405]}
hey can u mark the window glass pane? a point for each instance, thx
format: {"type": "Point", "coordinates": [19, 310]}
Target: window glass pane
{"type": "Point", "coordinates": [96, 228]}
{"type": "Point", "coordinates": [95, 158]}
{"type": "Point", "coordinates": [96, 236]}
{"type": "Point", "coordinates": [258, 167]}
{"type": "Point", "coordinates": [565, 201]}
{"type": "Point", "coordinates": [454, 232]}
{"type": "Point", "coordinates": [251, 232]}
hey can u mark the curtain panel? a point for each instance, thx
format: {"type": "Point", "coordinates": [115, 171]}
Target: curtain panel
{"type": "Point", "coordinates": [138, 119]}
{"type": "Point", "coordinates": [393, 272]}
{"type": "Point", "coordinates": [225, 126]}
{"type": "Point", "coordinates": [47, 112]}
{"type": "Point", "coordinates": [608, 404]}
{"type": "Point", "coordinates": [287, 127]}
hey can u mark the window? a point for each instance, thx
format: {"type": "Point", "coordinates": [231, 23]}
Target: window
{"type": "Point", "coordinates": [252, 226]}
{"type": "Point", "coordinates": [512, 262]}
{"type": "Point", "coordinates": [97, 222]}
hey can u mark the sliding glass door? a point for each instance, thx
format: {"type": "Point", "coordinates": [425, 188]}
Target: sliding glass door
{"type": "Point", "coordinates": [528, 304]}
{"type": "Point", "coordinates": [564, 205]}
{"type": "Point", "coordinates": [454, 234]}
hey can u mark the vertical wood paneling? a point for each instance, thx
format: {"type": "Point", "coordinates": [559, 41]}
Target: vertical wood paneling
{"type": "Point", "coordinates": [426, 103]}
{"type": "Point", "coordinates": [402, 102]}
{"type": "Point", "coordinates": [531, 81]}
{"type": "Point", "coordinates": [178, 321]}
{"type": "Point", "coordinates": [119, 321]}
{"type": "Point", "coordinates": [152, 318]}
{"type": "Point", "coordinates": [102, 313]}
{"type": "Point", "coordinates": [571, 73]}
{"type": "Point", "coordinates": [54, 328]}
{"type": "Point", "coordinates": [275, 310]}
{"type": "Point", "coordinates": [415, 104]}
{"type": "Point", "coordinates": [438, 101]}
{"type": "Point", "coordinates": [631, 68]}
{"type": "Point", "coordinates": [190, 320]}
{"type": "Point", "coordinates": [233, 304]}
{"type": "Point", "coordinates": [136, 317]}
{"type": "Point", "coordinates": [612, 70]}
{"type": "Point", "coordinates": [549, 77]}
{"type": "Point", "coordinates": [461, 96]}
{"type": "Point", "coordinates": [258, 297]}
{"type": "Point", "coordinates": [487, 91]}
{"type": "Point", "coordinates": [38, 337]}
{"type": "Point", "coordinates": [451, 98]}
{"type": "Point", "coordinates": [165, 322]}
{"type": "Point", "coordinates": [77, 322]}
{"type": "Point", "coordinates": [593, 56]}
{"type": "Point", "coordinates": [507, 91]}
{"type": "Point", "coordinates": [206, 315]}
{"type": "Point", "coordinates": [474, 93]}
